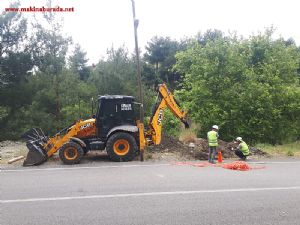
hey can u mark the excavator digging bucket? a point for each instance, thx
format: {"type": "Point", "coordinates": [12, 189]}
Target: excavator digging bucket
{"type": "Point", "coordinates": [35, 141]}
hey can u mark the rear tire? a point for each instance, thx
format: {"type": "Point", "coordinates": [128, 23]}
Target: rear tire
{"type": "Point", "coordinates": [121, 147]}
{"type": "Point", "coordinates": [71, 153]}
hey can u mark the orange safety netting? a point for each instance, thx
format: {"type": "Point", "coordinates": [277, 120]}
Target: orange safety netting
{"type": "Point", "coordinates": [240, 165]}
{"type": "Point", "coordinates": [236, 165]}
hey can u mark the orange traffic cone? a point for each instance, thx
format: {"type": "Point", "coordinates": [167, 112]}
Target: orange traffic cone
{"type": "Point", "coordinates": [220, 158]}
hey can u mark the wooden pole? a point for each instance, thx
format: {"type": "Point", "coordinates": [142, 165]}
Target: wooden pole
{"type": "Point", "coordinates": [138, 66]}
{"type": "Point", "coordinates": [138, 71]}
{"type": "Point", "coordinates": [15, 159]}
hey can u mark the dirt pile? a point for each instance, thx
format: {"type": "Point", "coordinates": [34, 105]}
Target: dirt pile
{"type": "Point", "coordinates": [171, 149]}
{"type": "Point", "coordinates": [197, 148]}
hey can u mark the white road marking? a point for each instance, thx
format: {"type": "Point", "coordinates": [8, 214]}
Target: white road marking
{"type": "Point", "coordinates": [147, 194]}
{"type": "Point", "coordinates": [120, 166]}
{"type": "Point", "coordinates": [160, 175]}
{"type": "Point", "coordinates": [292, 162]}
{"type": "Point", "coordinates": [83, 167]}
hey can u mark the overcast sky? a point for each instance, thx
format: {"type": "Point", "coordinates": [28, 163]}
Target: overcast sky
{"type": "Point", "coordinates": [98, 24]}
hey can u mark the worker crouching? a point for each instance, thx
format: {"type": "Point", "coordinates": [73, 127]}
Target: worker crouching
{"type": "Point", "coordinates": [242, 150]}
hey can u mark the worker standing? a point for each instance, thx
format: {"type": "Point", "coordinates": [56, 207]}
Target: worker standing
{"type": "Point", "coordinates": [242, 150]}
{"type": "Point", "coordinates": [212, 138]}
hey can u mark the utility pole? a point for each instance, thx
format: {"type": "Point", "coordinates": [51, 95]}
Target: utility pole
{"type": "Point", "coordinates": [138, 66]}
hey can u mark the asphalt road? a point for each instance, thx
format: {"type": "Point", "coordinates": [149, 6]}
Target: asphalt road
{"type": "Point", "coordinates": [150, 193]}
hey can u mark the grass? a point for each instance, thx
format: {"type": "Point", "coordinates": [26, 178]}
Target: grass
{"type": "Point", "coordinates": [290, 149]}
{"type": "Point", "coordinates": [187, 135]}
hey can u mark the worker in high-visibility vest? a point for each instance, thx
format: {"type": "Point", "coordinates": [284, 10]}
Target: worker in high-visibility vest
{"type": "Point", "coordinates": [242, 150]}
{"type": "Point", "coordinates": [212, 138]}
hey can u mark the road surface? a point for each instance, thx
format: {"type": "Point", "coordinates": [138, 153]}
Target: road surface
{"type": "Point", "coordinates": [151, 193]}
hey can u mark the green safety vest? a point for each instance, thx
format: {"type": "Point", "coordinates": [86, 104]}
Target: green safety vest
{"type": "Point", "coordinates": [212, 137]}
{"type": "Point", "coordinates": [244, 148]}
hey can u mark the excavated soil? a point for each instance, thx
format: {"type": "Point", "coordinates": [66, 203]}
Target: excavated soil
{"type": "Point", "coordinates": [196, 148]}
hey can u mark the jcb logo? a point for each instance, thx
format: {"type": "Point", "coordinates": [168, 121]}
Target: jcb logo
{"type": "Point", "coordinates": [85, 126]}
{"type": "Point", "coordinates": [160, 116]}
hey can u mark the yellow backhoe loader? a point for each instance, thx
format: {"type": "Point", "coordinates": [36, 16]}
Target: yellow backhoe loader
{"type": "Point", "coordinates": [114, 128]}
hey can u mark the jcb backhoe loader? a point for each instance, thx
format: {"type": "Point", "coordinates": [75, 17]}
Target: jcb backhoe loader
{"type": "Point", "coordinates": [114, 128]}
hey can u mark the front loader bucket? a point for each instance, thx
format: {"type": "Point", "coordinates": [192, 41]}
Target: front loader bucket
{"type": "Point", "coordinates": [35, 140]}
{"type": "Point", "coordinates": [36, 155]}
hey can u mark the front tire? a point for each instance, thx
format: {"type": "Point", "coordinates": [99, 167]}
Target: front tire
{"type": "Point", "coordinates": [121, 147]}
{"type": "Point", "coordinates": [71, 153]}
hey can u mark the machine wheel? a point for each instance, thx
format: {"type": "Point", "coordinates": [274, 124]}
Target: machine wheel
{"type": "Point", "coordinates": [121, 146]}
{"type": "Point", "coordinates": [71, 153]}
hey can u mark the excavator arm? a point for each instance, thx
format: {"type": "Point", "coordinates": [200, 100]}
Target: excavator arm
{"type": "Point", "coordinates": [165, 99]}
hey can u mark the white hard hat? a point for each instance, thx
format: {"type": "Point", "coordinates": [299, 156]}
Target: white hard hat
{"type": "Point", "coordinates": [239, 139]}
{"type": "Point", "coordinates": [215, 127]}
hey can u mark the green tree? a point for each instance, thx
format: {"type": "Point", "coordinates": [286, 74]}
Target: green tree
{"type": "Point", "coordinates": [116, 74]}
{"type": "Point", "coordinates": [27, 99]}
{"type": "Point", "coordinates": [248, 87]}
{"type": "Point", "coordinates": [50, 52]}
{"type": "Point", "coordinates": [75, 98]}
{"type": "Point", "coordinates": [78, 63]}
{"type": "Point", "coordinates": [15, 66]}
{"type": "Point", "coordinates": [15, 58]}
{"type": "Point", "coordinates": [160, 58]}
{"type": "Point", "coordinates": [50, 45]}
{"type": "Point", "coordinates": [209, 35]}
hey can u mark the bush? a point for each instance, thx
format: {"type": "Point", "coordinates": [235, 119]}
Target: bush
{"type": "Point", "coordinates": [171, 124]}
{"type": "Point", "coordinates": [290, 153]}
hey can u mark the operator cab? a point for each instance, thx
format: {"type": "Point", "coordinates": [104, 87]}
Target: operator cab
{"type": "Point", "coordinates": [113, 111]}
